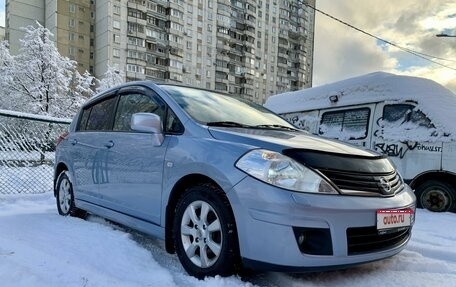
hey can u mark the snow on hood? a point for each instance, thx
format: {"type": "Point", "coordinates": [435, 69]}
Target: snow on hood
{"type": "Point", "coordinates": [279, 140]}
{"type": "Point", "coordinates": [434, 100]}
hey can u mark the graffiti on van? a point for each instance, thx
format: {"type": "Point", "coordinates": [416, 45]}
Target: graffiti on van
{"type": "Point", "coordinates": [392, 149]}
{"type": "Point", "coordinates": [401, 149]}
{"type": "Point", "coordinates": [431, 148]}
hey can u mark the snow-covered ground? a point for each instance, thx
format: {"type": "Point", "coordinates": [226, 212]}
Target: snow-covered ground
{"type": "Point", "coordinates": [40, 248]}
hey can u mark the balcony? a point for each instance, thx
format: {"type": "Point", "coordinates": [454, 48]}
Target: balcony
{"type": "Point", "coordinates": [140, 21]}
{"type": "Point", "coordinates": [137, 34]}
{"type": "Point", "coordinates": [136, 5]}
{"type": "Point", "coordinates": [136, 61]}
{"type": "Point", "coordinates": [135, 76]}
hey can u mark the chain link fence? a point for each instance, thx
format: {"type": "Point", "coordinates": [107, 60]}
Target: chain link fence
{"type": "Point", "coordinates": [27, 145]}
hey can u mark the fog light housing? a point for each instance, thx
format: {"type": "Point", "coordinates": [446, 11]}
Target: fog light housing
{"type": "Point", "coordinates": [313, 241]}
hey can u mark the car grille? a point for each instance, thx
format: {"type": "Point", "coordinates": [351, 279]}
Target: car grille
{"type": "Point", "coordinates": [365, 184]}
{"type": "Point", "coordinates": [362, 240]}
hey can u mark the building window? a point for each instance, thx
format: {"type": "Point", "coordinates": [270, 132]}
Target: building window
{"type": "Point", "coordinates": [71, 36]}
{"type": "Point", "coordinates": [175, 38]}
{"type": "Point", "coordinates": [135, 68]}
{"type": "Point", "coordinates": [136, 41]}
{"type": "Point", "coordinates": [71, 51]}
{"type": "Point", "coordinates": [175, 64]}
{"type": "Point", "coordinates": [177, 13]}
{"type": "Point", "coordinates": [72, 8]}
{"type": "Point", "coordinates": [116, 38]}
{"type": "Point", "coordinates": [116, 9]}
{"type": "Point", "coordinates": [116, 24]}
{"type": "Point", "coordinates": [71, 23]}
{"type": "Point", "coordinates": [176, 26]}
{"type": "Point", "coordinates": [116, 52]}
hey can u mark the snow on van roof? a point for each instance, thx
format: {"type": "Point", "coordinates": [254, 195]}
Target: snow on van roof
{"type": "Point", "coordinates": [437, 102]}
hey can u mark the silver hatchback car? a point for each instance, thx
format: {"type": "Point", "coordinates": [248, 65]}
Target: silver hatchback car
{"type": "Point", "coordinates": [228, 184]}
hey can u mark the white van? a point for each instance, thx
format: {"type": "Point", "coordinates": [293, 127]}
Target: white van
{"type": "Point", "coordinates": [412, 120]}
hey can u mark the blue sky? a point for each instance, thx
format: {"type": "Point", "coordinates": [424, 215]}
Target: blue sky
{"type": "Point", "coordinates": [2, 13]}
{"type": "Point", "coordinates": [342, 52]}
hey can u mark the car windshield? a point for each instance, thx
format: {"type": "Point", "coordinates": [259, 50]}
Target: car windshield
{"type": "Point", "coordinates": [216, 109]}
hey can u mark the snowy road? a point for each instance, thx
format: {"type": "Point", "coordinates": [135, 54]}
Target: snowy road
{"type": "Point", "coordinates": [40, 248]}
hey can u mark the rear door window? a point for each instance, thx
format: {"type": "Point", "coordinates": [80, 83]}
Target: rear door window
{"type": "Point", "coordinates": [346, 124]}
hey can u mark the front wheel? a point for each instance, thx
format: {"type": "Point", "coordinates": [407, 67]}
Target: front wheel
{"type": "Point", "coordinates": [204, 233]}
{"type": "Point", "coordinates": [435, 196]}
{"type": "Point", "coordinates": [65, 198]}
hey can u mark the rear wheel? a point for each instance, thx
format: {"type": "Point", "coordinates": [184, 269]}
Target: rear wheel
{"type": "Point", "coordinates": [436, 196]}
{"type": "Point", "coordinates": [205, 236]}
{"type": "Point", "coordinates": [65, 198]}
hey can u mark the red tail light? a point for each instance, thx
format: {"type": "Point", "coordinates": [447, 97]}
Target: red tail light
{"type": "Point", "coordinates": [61, 137]}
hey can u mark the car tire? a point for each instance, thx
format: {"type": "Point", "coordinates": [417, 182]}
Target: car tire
{"type": "Point", "coordinates": [65, 198]}
{"type": "Point", "coordinates": [204, 233]}
{"type": "Point", "coordinates": [435, 196]}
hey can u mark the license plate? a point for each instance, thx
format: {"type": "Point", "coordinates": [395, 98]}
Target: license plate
{"type": "Point", "coordinates": [388, 219]}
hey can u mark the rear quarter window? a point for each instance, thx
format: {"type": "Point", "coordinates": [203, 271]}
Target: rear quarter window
{"type": "Point", "coordinates": [98, 117]}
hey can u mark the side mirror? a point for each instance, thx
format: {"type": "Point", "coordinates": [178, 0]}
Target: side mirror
{"type": "Point", "coordinates": [148, 123]}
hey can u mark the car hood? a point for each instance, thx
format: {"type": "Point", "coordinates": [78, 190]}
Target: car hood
{"type": "Point", "coordinates": [280, 140]}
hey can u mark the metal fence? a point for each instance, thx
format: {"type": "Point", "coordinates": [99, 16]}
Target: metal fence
{"type": "Point", "coordinates": [27, 145]}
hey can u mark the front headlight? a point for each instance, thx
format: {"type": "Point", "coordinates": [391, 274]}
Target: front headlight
{"type": "Point", "coordinates": [284, 172]}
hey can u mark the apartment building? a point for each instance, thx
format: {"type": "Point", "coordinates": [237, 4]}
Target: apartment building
{"type": "Point", "coordinates": [251, 48]}
{"type": "Point", "coordinates": [69, 20]}
{"type": "Point", "coordinates": [2, 33]}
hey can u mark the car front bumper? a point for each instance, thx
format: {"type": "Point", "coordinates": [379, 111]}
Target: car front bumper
{"type": "Point", "coordinates": [340, 230]}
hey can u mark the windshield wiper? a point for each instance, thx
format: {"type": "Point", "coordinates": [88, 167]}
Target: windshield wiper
{"type": "Point", "coordinates": [280, 127]}
{"type": "Point", "coordinates": [231, 124]}
{"type": "Point", "coordinates": [227, 124]}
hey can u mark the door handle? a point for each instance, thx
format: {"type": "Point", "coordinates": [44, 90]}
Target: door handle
{"type": "Point", "coordinates": [109, 144]}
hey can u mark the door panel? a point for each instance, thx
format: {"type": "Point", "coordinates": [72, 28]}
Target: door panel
{"type": "Point", "coordinates": [89, 161]}
{"type": "Point", "coordinates": [88, 154]}
{"type": "Point", "coordinates": [134, 161]}
{"type": "Point", "coordinates": [134, 175]}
